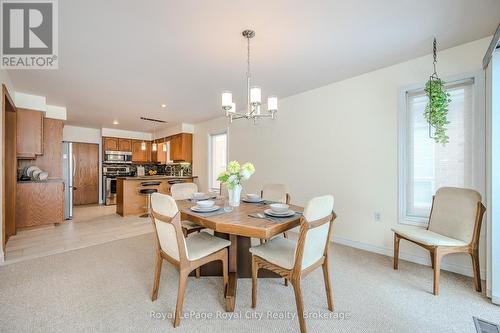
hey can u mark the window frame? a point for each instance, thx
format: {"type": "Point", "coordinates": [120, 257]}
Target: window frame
{"type": "Point", "coordinates": [479, 144]}
{"type": "Point", "coordinates": [210, 135]}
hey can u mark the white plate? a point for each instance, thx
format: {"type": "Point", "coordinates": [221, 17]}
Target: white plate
{"type": "Point", "coordinates": [252, 201]}
{"type": "Point", "coordinates": [270, 212]}
{"type": "Point", "coordinates": [205, 197]}
{"type": "Point", "coordinates": [204, 210]}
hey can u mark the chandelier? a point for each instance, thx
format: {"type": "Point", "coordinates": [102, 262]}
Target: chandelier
{"type": "Point", "coordinates": [254, 96]}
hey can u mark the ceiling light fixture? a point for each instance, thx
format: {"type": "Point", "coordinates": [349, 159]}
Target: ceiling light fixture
{"type": "Point", "coordinates": [254, 95]}
{"type": "Point", "coordinates": [115, 122]}
{"type": "Point", "coordinates": [163, 105]}
{"type": "Point", "coordinates": [154, 146]}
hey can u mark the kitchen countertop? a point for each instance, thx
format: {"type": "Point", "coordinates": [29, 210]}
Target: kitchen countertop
{"type": "Point", "coordinates": [155, 177]}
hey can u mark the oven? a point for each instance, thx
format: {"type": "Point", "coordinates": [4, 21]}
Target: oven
{"type": "Point", "coordinates": [110, 172]}
{"type": "Point", "coordinates": [121, 157]}
{"type": "Point", "coordinates": [110, 190]}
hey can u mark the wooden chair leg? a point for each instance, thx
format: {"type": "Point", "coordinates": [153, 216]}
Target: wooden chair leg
{"type": "Point", "coordinates": [431, 252]}
{"type": "Point", "coordinates": [328, 288]}
{"type": "Point", "coordinates": [285, 234]}
{"type": "Point", "coordinates": [396, 250]}
{"type": "Point", "coordinates": [184, 232]}
{"type": "Point", "coordinates": [286, 282]}
{"type": "Point", "coordinates": [197, 272]}
{"type": "Point", "coordinates": [300, 304]}
{"type": "Point", "coordinates": [180, 297]}
{"type": "Point", "coordinates": [437, 269]}
{"type": "Point", "coordinates": [225, 274]}
{"type": "Point", "coordinates": [156, 279]}
{"type": "Point", "coordinates": [255, 270]}
{"type": "Point", "coordinates": [477, 273]}
{"type": "Point", "coordinates": [261, 241]}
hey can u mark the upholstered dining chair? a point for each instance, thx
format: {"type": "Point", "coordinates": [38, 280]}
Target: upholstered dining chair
{"type": "Point", "coordinates": [293, 260]}
{"type": "Point", "coordinates": [454, 227]}
{"type": "Point", "coordinates": [185, 254]}
{"type": "Point", "coordinates": [184, 191]}
{"type": "Point", "coordinates": [277, 193]}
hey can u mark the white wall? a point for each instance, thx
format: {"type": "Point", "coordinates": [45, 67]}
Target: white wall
{"type": "Point", "coordinates": [342, 139]}
{"type": "Point", "coordinates": [175, 129]}
{"type": "Point", "coordinates": [117, 133]}
{"type": "Point", "coordinates": [5, 79]}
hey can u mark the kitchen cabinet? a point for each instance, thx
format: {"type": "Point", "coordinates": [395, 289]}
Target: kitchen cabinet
{"type": "Point", "coordinates": [139, 155]}
{"type": "Point", "coordinates": [181, 147]}
{"type": "Point", "coordinates": [29, 133]}
{"type": "Point", "coordinates": [110, 144]}
{"type": "Point", "coordinates": [39, 203]}
{"type": "Point", "coordinates": [124, 144]}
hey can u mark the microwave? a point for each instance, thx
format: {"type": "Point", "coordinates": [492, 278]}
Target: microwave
{"type": "Point", "coordinates": [117, 156]}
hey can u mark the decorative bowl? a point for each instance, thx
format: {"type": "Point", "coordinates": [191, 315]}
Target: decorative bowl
{"type": "Point", "coordinates": [205, 203]}
{"type": "Point", "coordinates": [279, 207]}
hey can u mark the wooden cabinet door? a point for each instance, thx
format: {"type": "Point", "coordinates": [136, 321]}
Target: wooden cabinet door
{"type": "Point", "coordinates": [29, 134]}
{"type": "Point", "coordinates": [181, 147]}
{"type": "Point", "coordinates": [125, 145]}
{"type": "Point", "coordinates": [137, 152]}
{"type": "Point", "coordinates": [86, 179]}
{"type": "Point", "coordinates": [110, 143]}
{"type": "Point", "coordinates": [39, 203]}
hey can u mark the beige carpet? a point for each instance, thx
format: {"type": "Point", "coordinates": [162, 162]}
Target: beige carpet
{"type": "Point", "coordinates": [106, 288]}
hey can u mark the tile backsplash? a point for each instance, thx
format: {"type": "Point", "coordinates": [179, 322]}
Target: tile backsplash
{"type": "Point", "coordinates": [171, 169]}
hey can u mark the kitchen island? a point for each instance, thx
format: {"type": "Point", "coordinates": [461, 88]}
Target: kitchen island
{"type": "Point", "coordinates": [129, 200]}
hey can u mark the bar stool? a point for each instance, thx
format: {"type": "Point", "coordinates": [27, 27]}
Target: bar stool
{"type": "Point", "coordinates": [148, 192]}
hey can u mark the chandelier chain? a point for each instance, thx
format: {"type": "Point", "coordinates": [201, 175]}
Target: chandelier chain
{"type": "Point", "coordinates": [248, 57]}
{"type": "Point", "coordinates": [434, 54]}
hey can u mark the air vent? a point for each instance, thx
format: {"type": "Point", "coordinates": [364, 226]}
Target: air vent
{"type": "Point", "coordinates": [153, 120]}
{"type": "Point", "coordinates": [483, 326]}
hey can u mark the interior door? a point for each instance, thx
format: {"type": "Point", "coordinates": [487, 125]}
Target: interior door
{"type": "Point", "coordinates": [86, 174]}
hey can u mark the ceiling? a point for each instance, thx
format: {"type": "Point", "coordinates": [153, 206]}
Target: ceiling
{"type": "Point", "coordinates": [122, 59]}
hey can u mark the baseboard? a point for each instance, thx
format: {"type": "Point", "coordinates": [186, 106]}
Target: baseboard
{"type": "Point", "coordinates": [459, 269]}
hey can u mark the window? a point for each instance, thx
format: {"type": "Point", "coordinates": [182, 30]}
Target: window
{"type": "Point", "coordinates": [217, 159]}
{"type": "Point", "coordinates": [425, 166]}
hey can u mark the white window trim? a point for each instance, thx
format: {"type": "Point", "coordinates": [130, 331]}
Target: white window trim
{"type": "Point", "coordinates": [209, 157]}
{"type": "Point", "coordinates": [479, 148]}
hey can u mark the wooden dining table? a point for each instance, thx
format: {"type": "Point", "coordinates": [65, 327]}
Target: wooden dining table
{"type": "Point", "coordinates": [238, 227]}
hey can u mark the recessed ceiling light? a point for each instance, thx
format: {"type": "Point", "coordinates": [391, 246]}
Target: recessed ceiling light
{"type": "Point", "coordinates": [164, 105]}
{"type": "Point", "coordinates": [115, 122]}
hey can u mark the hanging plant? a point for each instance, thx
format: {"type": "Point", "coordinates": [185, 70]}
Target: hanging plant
{"type": "Point", "coordinates": [436, 110]}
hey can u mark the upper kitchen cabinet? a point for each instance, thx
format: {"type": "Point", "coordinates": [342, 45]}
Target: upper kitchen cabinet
{"type": "Point", "coordinates": [124, 144]}
{"type": "Point", "coordinates": [139, 155]}
{"type": "Point", "coordinates": [110, 144]}
{"type": "Point", "coordinates": [29, 133]}
{"type": "Point", "coordinates": [181, 147]}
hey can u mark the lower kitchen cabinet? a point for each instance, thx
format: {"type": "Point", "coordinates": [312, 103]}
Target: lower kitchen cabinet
{"type": "Point", "coordinates": [39, 203]}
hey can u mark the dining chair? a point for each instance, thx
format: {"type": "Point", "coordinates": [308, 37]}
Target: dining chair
{"type": "Point", "coordinates": [454, 226]}
{"type": "Point", "coordinates": [185, 254]}
{"type": "Point", "coordinates": [277, 193]}
{"type": "Point", "coordinates": [293, 260]}
{"type": "Point", "coordinates": [184, 191]}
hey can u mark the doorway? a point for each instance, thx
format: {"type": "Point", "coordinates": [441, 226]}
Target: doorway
{"type": "Point", "coordinates": [86, 174]}
{"type": "Point", "coordinates": [9, 172]}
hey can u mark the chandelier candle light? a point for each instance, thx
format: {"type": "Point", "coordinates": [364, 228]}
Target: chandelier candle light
{"type": "Point", "coordinates": [254, 95]}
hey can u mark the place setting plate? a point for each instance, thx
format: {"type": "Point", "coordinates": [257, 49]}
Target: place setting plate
{"type": "Point", "coordinates": [253, 198]}
{"type": "Point", "coordinates": [199, 209]}
{"type": "Point", "coordinates": [272, 213]}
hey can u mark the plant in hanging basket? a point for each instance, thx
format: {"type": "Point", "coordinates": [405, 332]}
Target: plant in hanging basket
{"type": "Point", "coordinates": [436, 110]}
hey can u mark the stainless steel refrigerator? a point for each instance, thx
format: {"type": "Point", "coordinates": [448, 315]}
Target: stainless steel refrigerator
{"type": "Point", "coordinates": [68, 173]}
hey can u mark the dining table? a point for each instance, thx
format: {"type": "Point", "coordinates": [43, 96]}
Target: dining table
{"type": "Point", "coordinates": [239, 226]}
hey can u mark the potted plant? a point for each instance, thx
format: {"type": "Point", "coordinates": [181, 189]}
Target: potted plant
{"type": "Point", "coordinates": [436, 110]}
{"type": "Point", "coordinates": [233, 177]}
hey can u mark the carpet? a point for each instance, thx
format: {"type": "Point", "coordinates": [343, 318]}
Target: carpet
{"type": "Point", "coordinates": [107, 288]}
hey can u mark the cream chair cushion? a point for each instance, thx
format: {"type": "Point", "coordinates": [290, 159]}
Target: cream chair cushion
{"type": "Point", "coordinates": [281, 251]}
{"type": "Point", "coordinates": [183, 191]}
{"type": "Point", "coordinates": [202, 244]}
{"type": "Point", "coordinates": [426, 237]}
{"type": "Point", "coordinates": [314, 247]}
{"type": "Point", "coordinates": [165, 205]}
{"type": "Point", "coordinates": [274, 192]}
{"type": "Point", "coordinates": [454, 213]}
